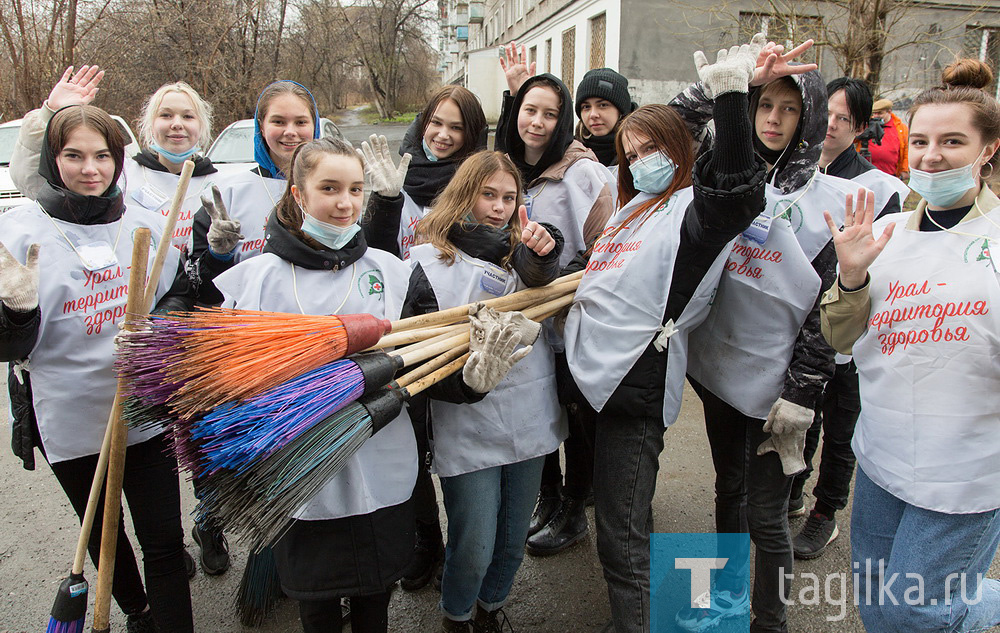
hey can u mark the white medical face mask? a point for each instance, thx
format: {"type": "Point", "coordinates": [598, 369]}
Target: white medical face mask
{"type": "Point", "coordinates": [944, 188]}
{"type": "Point", "coordinates": [329, 235]}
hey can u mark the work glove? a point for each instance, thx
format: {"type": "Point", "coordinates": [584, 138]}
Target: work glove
{"type": "Point", "coordinates": [19, 284]}
{"type": "Point", "coordinates": [481, 317]}
{"type": "Point", "coordinates": [387, 178]}
{"type": "Point", "coordinates": [732, 70]}
{"type": "Point", "coordinates": [787, 423]}
{"type": "Point", "coordinates": [224, 233]}
{"type": "Point", "coordinates": [488, 365]}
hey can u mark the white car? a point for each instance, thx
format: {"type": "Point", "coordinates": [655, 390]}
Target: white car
{"type": "Point", "coordinates": [232, 150]}
{"type": "Point", "coordinates": [10, 197]}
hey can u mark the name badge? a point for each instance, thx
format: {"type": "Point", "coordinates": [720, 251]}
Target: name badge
{"type": "Point", "coordinates": [97, 256]}
{"type": "Point", "coordinates": [494, 280]}
{"type": "Point", "coordinates": [150, 197]}
{"type": "Point", "coordinates": [758, 229]}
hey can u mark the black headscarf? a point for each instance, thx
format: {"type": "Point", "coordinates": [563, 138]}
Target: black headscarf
{"type": "Point", "coordinates": [426, 178]}
{"type": "Point", "coordinates": [66, 205]}
{"type": "Point", "coordinates": [562, 136]}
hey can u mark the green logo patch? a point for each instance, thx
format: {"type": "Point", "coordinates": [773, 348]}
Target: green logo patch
{"type": "Point", "coordinates": [371, 284]}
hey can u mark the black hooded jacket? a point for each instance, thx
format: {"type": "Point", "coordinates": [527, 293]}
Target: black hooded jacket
{"type": "Point", "coordinates": [425, 179]}
{"type": "Point", "coordinates": [509, 140]}
{"type": "Point", "coordinates": [812, 362]}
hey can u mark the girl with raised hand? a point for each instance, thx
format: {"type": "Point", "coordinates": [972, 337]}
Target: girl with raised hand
{"type": "Point", "coordinates": [176, 125]}
{"type": "Point", "coordinates": [63, 289]}
{"type": "Point", "coordinates": [471, 247]}
{"type": "Point", "coordinates": [926, 503]}
{"type": "Point", "coordinates": [355, 536]}
{"type": "Point", "coordinates": [451, 127]}
{"type": "Point", "coordinates": [649, 281]}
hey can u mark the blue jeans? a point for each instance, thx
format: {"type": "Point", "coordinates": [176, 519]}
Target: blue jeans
{"type": "Point", "coordinates": [488, 514]}
{"type": "Point", "coordinates": [940, 547]}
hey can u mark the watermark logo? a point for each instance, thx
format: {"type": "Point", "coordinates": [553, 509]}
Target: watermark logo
{"type": "Point", "coordinates": [699, 576]}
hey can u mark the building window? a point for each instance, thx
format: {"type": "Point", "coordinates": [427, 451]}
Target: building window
{"type": "Point", "coordinates": [983, 43]}
{"type": "Point", "coordinates": [532, 55]}
{"type": "Point", "coordinates": [568, 57]}
{"type": "Point", "coordinates": [790, 30]}
{"type": "Point", "coordinates": [598, 39]}
{"type": "Point", "coordinates": [548, 55]}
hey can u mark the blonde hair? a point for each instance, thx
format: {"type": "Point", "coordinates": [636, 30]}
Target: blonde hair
{"type": "Point", "coordinates": [457, 200]}
{"type": "Point", "coordinates": [202, 109]}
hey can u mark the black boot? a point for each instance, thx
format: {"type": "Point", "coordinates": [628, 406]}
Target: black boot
{"type": "Point", "coordinates": [566, 527]}
{"type": "Point", "coordinates": [428, 552]}
{"type": "Point", "coordinates": [214, 550]}
{"type": "Point", "coordinates": [549, 499]}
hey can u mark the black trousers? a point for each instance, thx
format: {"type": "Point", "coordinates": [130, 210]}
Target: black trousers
{"type": "Point", "coordinates": [369, 614]}
{"type": "Point", "coordinates": [579, 445]}
{"type": "Point", "coordinates": [836, 415]}
{"type": "Point", "coordinates": [153, 494]}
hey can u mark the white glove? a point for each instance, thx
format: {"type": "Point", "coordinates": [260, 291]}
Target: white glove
{"type": "Point", "coordinates": [482, 317]}
{"type": "Point", "coordinates": [732, 70]}
{"type": "Point", "coordinates": [19, 284]}
{"type": "Point", "coordinates": [387, 178]}
{"type": "Point", "coordinates": [486, 368]}
{"type": "Point", "coordinates": [787, 423]}
{"type": "Point", "coordinates": [224, 233]}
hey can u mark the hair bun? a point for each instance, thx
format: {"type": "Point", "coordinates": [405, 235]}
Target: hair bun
{"type": "Point", "coordinates": [967, 73]}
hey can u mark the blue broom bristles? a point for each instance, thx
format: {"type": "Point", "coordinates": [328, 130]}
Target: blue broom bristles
{"type": "Point", "coordinates": [236, 435]}
{"type": "Point", "coordinates": [76, 626]}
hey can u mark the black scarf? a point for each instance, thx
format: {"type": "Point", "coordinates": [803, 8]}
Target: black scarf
{"type": "Point", "coordinates": [481, 241]}
{"type": "Point", "coordinates": [63, 204]}
{"type": "Point", "coordinates": [148, 158]}
{"type": "Point", "coordinates": [562, 136]}
{"type": "Point", "coordinates": [603, 147]}
{"type": "Point", "coordinates": [426, 178]}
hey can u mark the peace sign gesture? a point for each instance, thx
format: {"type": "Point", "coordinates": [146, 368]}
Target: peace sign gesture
{"type": "Point", "coordinates": [19, 284]}
{"type": "Point", "coordinates": [772, 63]}
{"type": "Point", "coordinates": [856, 245]}
{"type": "Point", "coordinates": [515, 66]}
{"type": "Point", "coordinates": [78, 89]}
{"type": "Point", "coordinates": [224, 232]}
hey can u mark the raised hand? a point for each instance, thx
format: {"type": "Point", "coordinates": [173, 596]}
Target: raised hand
{"type": "Point", "coordinates": [534, 235]}
{"type": "Point", "coordinates": [75, 89]}
{"type": "Point", "coordinates": [732, 70]}
{"type": "Point", "coordinates": [224, 232]}
{"type": "Point", "coordinates": [19, 284]}
{"type": "Point", "coordinates": [387, 178]}
{"type": "Point", "coordinates": [772, 63]}
{"type": "Point", "coordinates": [856, 245]}
{"type": "Point", "coordinates": [515, 66]}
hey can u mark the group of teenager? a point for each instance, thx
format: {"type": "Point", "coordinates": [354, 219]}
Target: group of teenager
{"type": "Point", "coordinates": [709, 231]}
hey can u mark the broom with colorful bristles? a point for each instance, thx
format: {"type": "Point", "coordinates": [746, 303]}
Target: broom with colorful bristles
{"type": "Point", "coordinates": [191, 363]}
{"type": "Point", "coordinates": [258, 500]}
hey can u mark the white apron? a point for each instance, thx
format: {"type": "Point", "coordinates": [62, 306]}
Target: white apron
{"type": "Point", "coordinates": [251, 198]}
{"type": "Point", "coordinates": [742, 351]}
{"type": "Point", "coordinates": [619, 305]}
{"type": "Point", "coordinates": [410, 215]}
{"type": "Point", "coordinates": [383, 471]}
{"type": "Point", "coordinates": [154, 190]}
{"type": "Point", "coordinates": [566, 203]}
{"type": "Point", "coordinates": [929, 431]}
{"type": "Point", "coordinates": [72, 376]}
{"type": "Point", "coordinates": [520, 418]}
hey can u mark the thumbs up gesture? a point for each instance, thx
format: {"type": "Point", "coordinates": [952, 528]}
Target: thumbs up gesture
{"type": "Point", "coordinates": [19, 284]}
{"type": "Point", "coordinates": [534, 235]}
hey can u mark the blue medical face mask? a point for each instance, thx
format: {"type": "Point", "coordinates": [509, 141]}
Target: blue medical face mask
{"type": "Point", "coordinates": [653, 174]}
{"type": "Point", "coordinates": [172, 157]}
{"type": "Point", "coordinates": [944, 188]}
{"type": "Point", "coordinates": [427, 152]}
{"type": "Point", "coordinates": [329, 235]}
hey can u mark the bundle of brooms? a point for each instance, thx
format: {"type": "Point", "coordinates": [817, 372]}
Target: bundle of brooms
{"type": "Point", "coordinates": [264, 408]}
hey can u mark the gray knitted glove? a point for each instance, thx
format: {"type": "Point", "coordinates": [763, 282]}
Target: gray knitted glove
{"type": "Point", "coordinates": [787, 423]}
{"type": "Point", "coordinates": [481, 317]}
{"type": "Point", "coordinates": [19, 284]}
{"type": "Point", "coordinates": [223, 234]}
{"type": "Point", "coordinates": [387, 178]}
{"type": "Point", "coordinates": [486, 368]}
{"type": "Point", "coordinates": [732, 70]}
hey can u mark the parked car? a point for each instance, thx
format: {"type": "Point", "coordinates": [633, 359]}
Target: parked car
{"type": "Point", "coordinates": [10, 197]}
{"type": "Point", "coordinates": [232, 150]}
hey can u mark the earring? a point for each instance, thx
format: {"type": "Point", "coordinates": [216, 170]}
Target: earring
{"type": "Point", "coordinates": [986, 176]}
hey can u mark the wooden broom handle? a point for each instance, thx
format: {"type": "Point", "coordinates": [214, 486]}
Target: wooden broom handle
{"type": "Point", "coordinates": [116, 452]}
{"type": "Point", "coordinates": [180, 193]}
{"type": "Point", "coordinates": [524, 297]}
{"type": "Point", "coordinates": [431, 365]}
{"type": "Point", "coordinates": [438, 375]}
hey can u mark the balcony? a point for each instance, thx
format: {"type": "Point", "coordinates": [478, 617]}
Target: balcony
{"type": "Point", "coordinates": [462, 34]}
{"type": "Point", "coordinates": [477, 10]}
